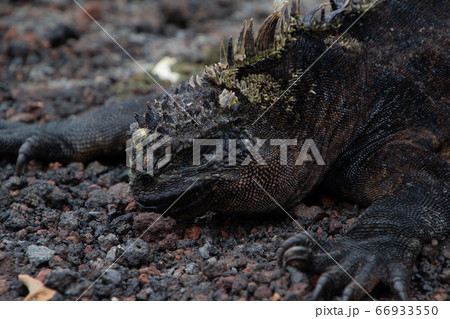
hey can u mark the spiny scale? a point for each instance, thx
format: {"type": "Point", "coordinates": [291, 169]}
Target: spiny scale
{"type": "Point", "coordinates": [223, 53]}
{"type": "Point", "coordinates": [140, 120]}
{"type": "Point", "coordinates": [271, 35]}
{"type": "Point", "coordinates": [282, 23]}
{"type": "Point", "coordinates": [274, 33]}
{"type": "Point", "coordinates": [249, 41]}
{"type": "Point", "coordinates": [295, 8]}
{"type": "Point", "coordinates": [239, 53]}
{"type": "Point", "coordinates": [192, 82]}
{"type": "Point", "coordinates": [277, 4]}
{"type": "Point", "coordinates": [230, 53]}
{"type": "Point", "coordinates": [311, 18]}
{"type": "Point", "coordinates": [198, 80]}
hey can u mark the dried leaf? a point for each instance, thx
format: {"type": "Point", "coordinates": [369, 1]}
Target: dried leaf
{"type": "Point", "coordinates": [37, 290]}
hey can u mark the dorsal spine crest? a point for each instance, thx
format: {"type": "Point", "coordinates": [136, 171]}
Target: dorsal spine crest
{"type": "Point", "coordinates": [276, 30]}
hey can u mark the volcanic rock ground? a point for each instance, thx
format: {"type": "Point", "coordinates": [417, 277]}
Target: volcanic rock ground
{"type": "Point", "coordinates": [66, 224]}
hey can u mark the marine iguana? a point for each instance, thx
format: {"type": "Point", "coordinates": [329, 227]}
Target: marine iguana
{"type": "Point", "coordinates": [376, 105]}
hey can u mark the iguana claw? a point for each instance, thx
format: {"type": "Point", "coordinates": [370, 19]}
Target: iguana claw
{"type": "Point", "coordinates": [20, 164]}
{"type": "Point", "coordinates": [298, 257]}
{"type": "Point", "coordinates": [347, 264]}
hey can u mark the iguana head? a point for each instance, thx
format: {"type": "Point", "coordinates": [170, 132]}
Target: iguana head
{"type": "Point", "coordinates": [223, 113]}
{"type": "Point", "coordinates": [161, 146]}
{"type": "Point", "coordinates": [195, 142]}
{"type": "Point", "coordinates": [191, 142]}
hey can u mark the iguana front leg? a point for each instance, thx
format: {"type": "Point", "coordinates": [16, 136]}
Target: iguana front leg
{"type": "Point", "coordinates": [101, 132]}
{"type": "Point", "coordinates": [408, 187]}
{"type": "Point", "coordinates": [13, 135]}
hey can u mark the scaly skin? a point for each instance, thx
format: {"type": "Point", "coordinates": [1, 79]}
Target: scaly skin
{"type": "Point", "coordinates": [376, 106]}
{"type": "Point", "coordinates": [100, 133]}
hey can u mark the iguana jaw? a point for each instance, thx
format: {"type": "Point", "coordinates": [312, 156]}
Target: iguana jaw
{"type": "Point", "coordinates": [182, 195]}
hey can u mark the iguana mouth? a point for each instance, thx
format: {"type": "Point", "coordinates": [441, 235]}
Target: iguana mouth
{"type": "Point", "coordinates": [183, 195]}
{"type": "Point", "coordinates": [162, 203]}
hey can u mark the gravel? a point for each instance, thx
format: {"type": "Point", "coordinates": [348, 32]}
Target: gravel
{"type": "Point", "coordinates": [207, 250]}
{"type": "Point", "coordinates": [38, 255]}
{"type": "Point", "coordinates": [16, 221]}
{"type": "Point", "coordinates": [136, 252]}
{"type": "Point", "coordinates": [112, 276]}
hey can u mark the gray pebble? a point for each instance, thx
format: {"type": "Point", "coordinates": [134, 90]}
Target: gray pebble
{"type": "Point", "coordinates": [136, 252]}
{"type": "Point", "coordinates": [99, 198]}
{"type": "Point", "coordinates": [69, 221]}
{"type": "Point", "coordinates": [16, 221]}
{"type": "Point", "coordinates": [112, 276]}
{"type": "Point", "coordinates": [255, 249]}
{"type": "Point", "coordinates": [108, 241]}
{"type": "Point", "coordinates": [111, 255]}
{"type": "Point", "coordinates": [207, 250]}
{"type": "Point", "coordinates": [192, 269]}
{"type": "Point", "coordinates": [38, 255]}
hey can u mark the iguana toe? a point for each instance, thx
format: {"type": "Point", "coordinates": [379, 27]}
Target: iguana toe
{"type": "Point", "coordinates": [298, 257]}
{"type": "Point", "coordinates": [42, 146]}
{"type": "Point", "coordinates": [29, 150]}
{"type": "Point", "coordinates": [365, 280]}
{"type": "Point", "coordinates": [306, 252]}
{"type": "Point", "coordinates": [398, 275]}
{"type": "Point", "coordinates": [20, 164]}
{"type": "Point", "coordinates": [347, 265]}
